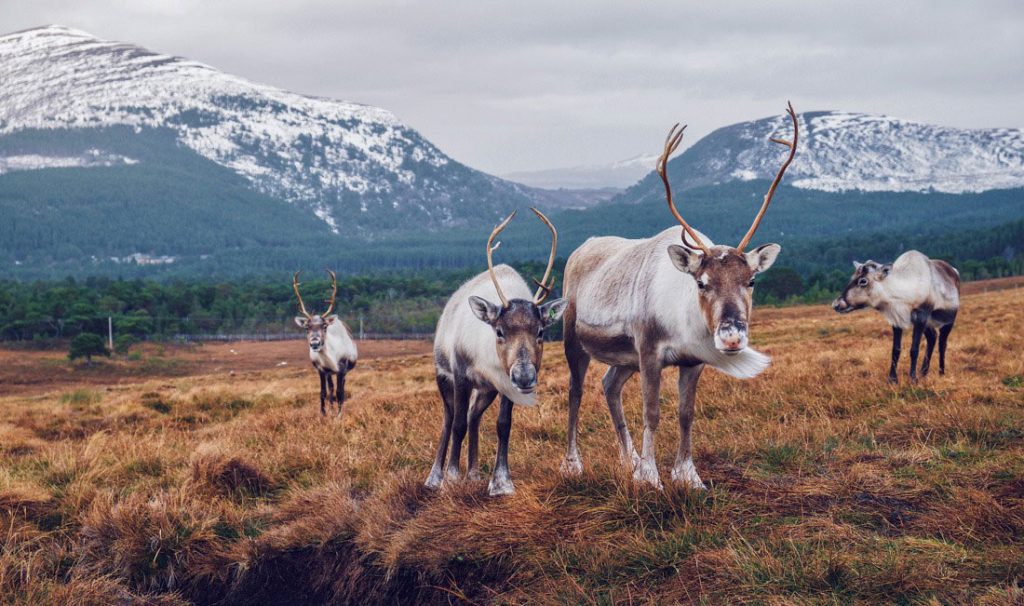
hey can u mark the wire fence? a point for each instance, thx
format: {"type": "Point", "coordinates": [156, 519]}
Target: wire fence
{"type": "Point", "coordinates": [294, 336]}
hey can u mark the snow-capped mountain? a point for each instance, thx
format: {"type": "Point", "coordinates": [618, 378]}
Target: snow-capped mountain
{"type": "Point", "coordinates": [621, 173]}
{"type": "Point", "coordinates": [843, 151]}
{"type": "Point", "coordinates": [346, 162]}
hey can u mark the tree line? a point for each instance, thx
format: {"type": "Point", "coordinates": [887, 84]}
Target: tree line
{"type": "Point", "coordinates": [411, 301]}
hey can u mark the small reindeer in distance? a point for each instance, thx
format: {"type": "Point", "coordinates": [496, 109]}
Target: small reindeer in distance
{"type": "Point", "coordinates": [331, 349]}
{"type": "Point", "coordinates": [913, 292]}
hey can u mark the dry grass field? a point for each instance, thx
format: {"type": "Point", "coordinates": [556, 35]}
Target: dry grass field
{"type": "Point", "coordinates": [190, 482]}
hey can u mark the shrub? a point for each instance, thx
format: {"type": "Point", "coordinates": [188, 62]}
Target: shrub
{"type": "Point", "coordinates": [86, 345]}
{"type": "Point", "coordinates": [123, 343]}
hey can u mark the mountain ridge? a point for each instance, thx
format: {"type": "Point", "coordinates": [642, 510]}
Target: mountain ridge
{"type": "Point", "coordinates": [333, 157]}
{"type": "Point", "coordinates": [850, 151]}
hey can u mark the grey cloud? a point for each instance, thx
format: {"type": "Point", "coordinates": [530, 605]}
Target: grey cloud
{"type": "Point", "coordinates": [508, 86]}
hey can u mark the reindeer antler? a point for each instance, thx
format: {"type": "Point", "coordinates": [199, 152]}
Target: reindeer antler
{"type": "Point", "coordinates": [490, 261]}
{"type": "Point", "coordinates": [334, 293]}
{"type": "Point", "coordinates": [675, 135]}
{"type": "Point", "coordinates": [295, 286]}
{"type": "Point", "coordinates": [778, 177]}
{"type": "Point", "coordinates": [544, 287]}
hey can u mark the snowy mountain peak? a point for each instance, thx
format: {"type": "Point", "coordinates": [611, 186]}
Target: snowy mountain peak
{"type": "Point", "coordinates": [335, 157]}
{"type": "Point", "coordinates": [855, 151]}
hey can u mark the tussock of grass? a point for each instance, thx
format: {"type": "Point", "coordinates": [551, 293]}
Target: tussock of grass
{"type": "Point", "coordinates": [216, 471]}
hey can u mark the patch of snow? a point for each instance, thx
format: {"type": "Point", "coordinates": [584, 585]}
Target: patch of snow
{"type": "Point", "coordinates": [301, 148]}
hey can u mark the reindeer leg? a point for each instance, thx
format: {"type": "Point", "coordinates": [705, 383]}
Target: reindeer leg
{"type": "Point", "coordinates": [482, 400]}
{"type": "Point", "coordinates": [614, 380]}
{"type": "Point", "coordinates": [462, 391]}
{"type": "Point", "coordinates": [897, 339]}
{"type": "Point", "coordinates": [340, 397]}
{"type": "Point", "coordinates": [501, 479]}
{"type": "Point", "coordinates": [330, 390]}
{"type": "Point", "coordinates": [579, 361]}
{"type": "Point", "coordinates": [650, 389]}
{"type": "Point", "coordinates": [943, 337]}
{"type": "Point", "coordinates": [684, 472]}
{"type": "Point", "coordinates": [446, 387]}
{"type": "Point", "coordinates": [915, 346]}
{"type": "Point", "coordinates": [929, 337]}
{"type": "Point", "coordinates": [323, 392]}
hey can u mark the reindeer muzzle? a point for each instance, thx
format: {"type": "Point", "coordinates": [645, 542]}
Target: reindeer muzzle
{"type": "Point", "coordinates": [731, 336]}
{"type": "Point", "coordinates": [524, 377]}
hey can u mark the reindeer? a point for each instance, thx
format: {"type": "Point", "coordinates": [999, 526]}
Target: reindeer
{"type": "Point", "coordinates": [644, 305]}
{"type": "Point", "coordinates": [331, 349]}
{"type": "Point", "coordinates": [914, 291]}
{"type": "Point", "coordinates": [483, 349]}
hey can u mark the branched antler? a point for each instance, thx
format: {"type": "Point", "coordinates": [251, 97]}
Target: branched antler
{"type": "Point", "coordinates": [675, 135]}
{"type": "Point", "coordinates": [544, 287]}
{"type": "Point", "coordinates": [295, 286]}
{"type": "Point", "coordinates": [778, 177]}
{"type": "Point", "coordinates": [334, 293]}
{"type": "Point", "coordinates": [490, 252]}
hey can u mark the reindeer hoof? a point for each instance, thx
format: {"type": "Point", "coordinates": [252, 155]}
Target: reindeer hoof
{"type": "Point", "coordinates": [893, 380]}
{"type": "Point", "coordinates": [646, 472]}
{"type": "Point", "coordinates": [434, 481]}
{"type": "Point", "coordinates": [452, 474]}
{"type": "Point", "coordinates": [474, 475]}
{"type": "Point", "coordinates": [686, 476]}
{"type": "Point", "coordinates": [571, 466]}
{"type": "Point", "coordinates": [500, 486]}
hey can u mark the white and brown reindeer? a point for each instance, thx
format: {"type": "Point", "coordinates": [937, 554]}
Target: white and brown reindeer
{"type": "Point", "coordinates": [483, 349]}
{"type": "Point", "coordinates": [331, 348]}
{"type": "Point", "coordinates": [644, 305]}
{"type": "Point", "coordinates": [913, 292]}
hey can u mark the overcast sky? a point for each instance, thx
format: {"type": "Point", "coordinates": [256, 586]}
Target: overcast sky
{"type": "Point", "coordinates": [528, 85]}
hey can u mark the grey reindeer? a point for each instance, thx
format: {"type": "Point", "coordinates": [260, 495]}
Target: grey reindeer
{"type": "Point", "coordinates": [331, 348]}
{"type": "Point", "coordinates": [483, 349]}
{"type": "Point", "coordinates": [913, 292]}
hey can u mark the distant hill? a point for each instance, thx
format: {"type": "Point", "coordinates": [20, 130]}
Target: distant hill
{"type": "Point", "coordinates": [845, 151]}
{"type": "Point", "coordinates": [115, 160]}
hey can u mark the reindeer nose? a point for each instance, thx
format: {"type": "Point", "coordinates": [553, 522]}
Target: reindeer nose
{"type": "Point", "coordinates": [736, 325]}
{"type": "Point", "coordinates": [524, 377]}
{"type": "Point", "coordinates": [838, 304]}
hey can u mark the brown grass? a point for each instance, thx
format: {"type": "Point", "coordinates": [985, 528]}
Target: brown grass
{"type": "Point", "coordinates": [828, 486]}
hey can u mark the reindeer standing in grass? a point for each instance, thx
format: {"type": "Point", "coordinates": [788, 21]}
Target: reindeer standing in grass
{"type": "Point", "coordinates": [331, 348]}
{"type": "Point", "coordinates": [912, 292]}
{"type": "Point", "coordinates": [483, 349]}
{"type": "Point", "coordinates": [643, 305]}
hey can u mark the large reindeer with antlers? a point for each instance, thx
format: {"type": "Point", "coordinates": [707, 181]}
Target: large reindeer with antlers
{"type": "Point", "coordinates": [331, 348]}
{"type": "Point", "coordinates": [643, 305]}
{"type": "Point", "coordinates": [483, 349]}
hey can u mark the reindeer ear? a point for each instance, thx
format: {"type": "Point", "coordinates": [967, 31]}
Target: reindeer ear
{"type": "Point", "coordinates": [330, 319]}
{"type": "Point", "coordinates": [685, 259]}
{"type": "Point", "coordinates": [886, 269]}
{"type": "Point", "coordinates": [302, 321]}
{"type": "Point", "coordinates": [762, 257]}
{"type": "Point", "coordinates": [485, 310]}
{"type": "Point", "coordinates": [857, 265]}
{"type": "Point", "coordinates": [552, 311]}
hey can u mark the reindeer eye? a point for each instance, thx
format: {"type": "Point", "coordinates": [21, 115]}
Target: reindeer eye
{"type": "Point", "coordinates": [500, 333]}
{"type": "Point", "coordinates": [540, 334]}
{"type": "Point", "coordinates": [701, 285]}
{"type": "Point", "coordinates": [862, 282]}
{"type": "Point", "coordinates": [751, 283]}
